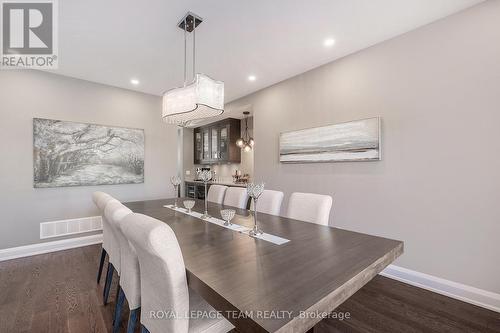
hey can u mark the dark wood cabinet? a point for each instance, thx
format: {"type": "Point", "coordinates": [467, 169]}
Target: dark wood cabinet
{"type": "Point", "coordinates": [195, 190]}
{"type": "Point", "coordinates": [216, 143]}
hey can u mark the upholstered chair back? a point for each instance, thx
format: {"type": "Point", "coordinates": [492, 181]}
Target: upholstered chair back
{"type": "Point", "coordinates": [236, 197]}
{"type": "Point", "coordinates": [101, 199]}
{"type": "Point", "coordinates": [310, 207]}
{"type": "Point", "coordinates": [109, 234]}
{"type": "Point", "coordinates": [216, 193]}
{"type": "Point", "coordinates": [269, 202]}
{"type": "Point", "coordinates": [130, 280]}
{"type": "Point", "coordinates": [162, 271]}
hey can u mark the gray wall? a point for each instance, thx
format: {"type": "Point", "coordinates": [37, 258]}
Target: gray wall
{"type": "Point", "coordinates": [188, 152]}
{"type": "Point", "coordinates": [28, 94]}
{"type": "Point", "coordinates": [437, 188]}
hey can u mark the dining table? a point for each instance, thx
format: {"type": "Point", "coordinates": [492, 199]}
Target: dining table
{"type": "Point", "coordinates": [261, 286]}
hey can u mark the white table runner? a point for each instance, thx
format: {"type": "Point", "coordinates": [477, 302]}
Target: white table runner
{"type": "Point", "coordinates": [235, 227]}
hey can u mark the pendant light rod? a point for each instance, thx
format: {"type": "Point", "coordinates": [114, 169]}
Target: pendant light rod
{"type": "Point", "coordinates": [189, 23]}
{"type": "Point", "coordinates": [246, 128]}
{"type": "Point", "coordinates": [185, 51]}
{"type": "Point", "coordinates": [194, 48]}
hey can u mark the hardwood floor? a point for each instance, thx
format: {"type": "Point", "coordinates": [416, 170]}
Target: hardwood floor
{"type": "Point", "coordinates": [57, 292]}
{"type": "Point", "coordinates": [386, 305]}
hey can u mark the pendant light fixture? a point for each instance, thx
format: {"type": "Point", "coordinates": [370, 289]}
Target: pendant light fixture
{"type": "Point", "coordinates": [246, 142]}
{"type": "Point", "coordinates": [202, 98]}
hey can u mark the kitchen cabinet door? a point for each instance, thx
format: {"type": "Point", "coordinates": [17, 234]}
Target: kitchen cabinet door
{"type": "Point", "coordinates": [216, 143]}
{"type": "Point", "coordinates": [206, 146]}
{"type": "Point", "coordinates": [198, 147]}
{"type": "Point", "coordinates": [223, 143]}
{"type": "Point", "coordinates": [214, 134]}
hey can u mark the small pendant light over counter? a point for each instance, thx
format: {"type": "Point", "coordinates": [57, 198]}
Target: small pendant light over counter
{"type": "Point", "coordinates": [246, 142]}
{"type": "Point", "coordinates": [202, 98]}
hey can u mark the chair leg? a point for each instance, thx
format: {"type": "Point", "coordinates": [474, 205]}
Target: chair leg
{"type": "Point", "coordinates": [101, 265]}
{"type": "Point", "coordinates": [144, 329]}
{"type": "Point", "coordinates": [118, 310]}
{"type": "Point", "coordinates": [118, 288]}
{"type": "Point", "coordinates": [132, 320]}
{"type": "Point", "coordinates": [107, 285]}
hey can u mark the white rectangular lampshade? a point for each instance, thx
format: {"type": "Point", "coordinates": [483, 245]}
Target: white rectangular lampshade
{"type": "Point", "coordinates": [203, 98]}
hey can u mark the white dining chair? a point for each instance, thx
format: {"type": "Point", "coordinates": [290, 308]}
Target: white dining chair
{"type": "Point", "coordinates": [114, 261]}
{"type": "Point", "coordinates": [269, 202]}
{"type": "Point", "coordinates": [216, 193]}
{"type": "Point", "coordinates": [236, 197]}
{"type": "Point", "coordinates": [101, 199]}
{"type": "Point", "coordinates": [310, 207]}
{"type": "Point", "coordinates": [129, 285]}
{"type": "Point", "coordinates": [163, 281]}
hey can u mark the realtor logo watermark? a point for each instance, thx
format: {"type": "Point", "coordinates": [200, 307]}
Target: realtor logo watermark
{"type": "Point", "coordinates": [29, 34]}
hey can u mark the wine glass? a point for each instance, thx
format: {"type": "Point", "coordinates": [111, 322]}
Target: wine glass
{"type": "Point", "coordinates": [189, 204]}
{"type": "Point", "coordinates": [176, 181]}
{"type": "Point", "coordinates": [227, 216]}
{"type": "Point", "coordinates": [254, 191]}
{"type": "Point", "coordinates": [206, 176]}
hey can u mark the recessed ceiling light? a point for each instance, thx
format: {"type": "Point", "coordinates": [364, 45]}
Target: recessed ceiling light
{"type": "Point", "coordinates": [134, 81]}
{"type": "Point", "coordinates": [252, 78]}
{"type": "Point", "coordinates": [329, 42]}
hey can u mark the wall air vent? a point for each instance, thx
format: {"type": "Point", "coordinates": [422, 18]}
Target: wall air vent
{"type": "Point", "coordinates": [70, 227]}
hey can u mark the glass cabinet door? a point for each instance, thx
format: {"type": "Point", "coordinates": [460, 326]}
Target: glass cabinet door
{"type": "Point", "coordinates": [215, 145]}
{"type": "Point", "coordinates": [223, 143]}
{"type": "Point", "coordinates": [198, 146]}
{"type": "Point", "coordinates": [206, 145]}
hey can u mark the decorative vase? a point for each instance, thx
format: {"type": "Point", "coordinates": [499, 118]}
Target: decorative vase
{"type": "Point", "coordinates": [176, 181]}
{"type": "Point", "coordinates": [205, 177]}
{"type": "Point", "coordinates": [254, 191]}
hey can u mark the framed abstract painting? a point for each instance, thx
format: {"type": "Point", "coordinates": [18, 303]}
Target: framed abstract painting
{"type": "Point", "coordinates": [357, 140]}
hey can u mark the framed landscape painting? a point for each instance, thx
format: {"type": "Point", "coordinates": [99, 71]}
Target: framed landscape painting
{"type": "Point", "coordinates": [76, 154]}
{"type": "Point", "coordinates": [357, 140]}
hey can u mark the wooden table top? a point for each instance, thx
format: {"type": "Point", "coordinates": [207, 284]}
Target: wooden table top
{"type": "Point", "coordinates": [272, 288]}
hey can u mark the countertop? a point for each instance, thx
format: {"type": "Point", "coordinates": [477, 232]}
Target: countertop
{"type": "Point", "coordinates": [216, 183]}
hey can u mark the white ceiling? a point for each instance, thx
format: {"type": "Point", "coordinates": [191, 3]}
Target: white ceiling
{"type": "Point", "coordinates": [113, 41]}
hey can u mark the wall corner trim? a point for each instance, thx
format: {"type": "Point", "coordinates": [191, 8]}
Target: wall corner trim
{"type": "Point", "coordinates": [461, 292]}
{"type": "Point", "coordinates": [46, 247]}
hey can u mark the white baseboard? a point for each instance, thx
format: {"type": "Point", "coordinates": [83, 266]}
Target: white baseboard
{"type": "Point", "coordinates": [40, 248]}
{"type": "Point", "coordinates": [462, 292]}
